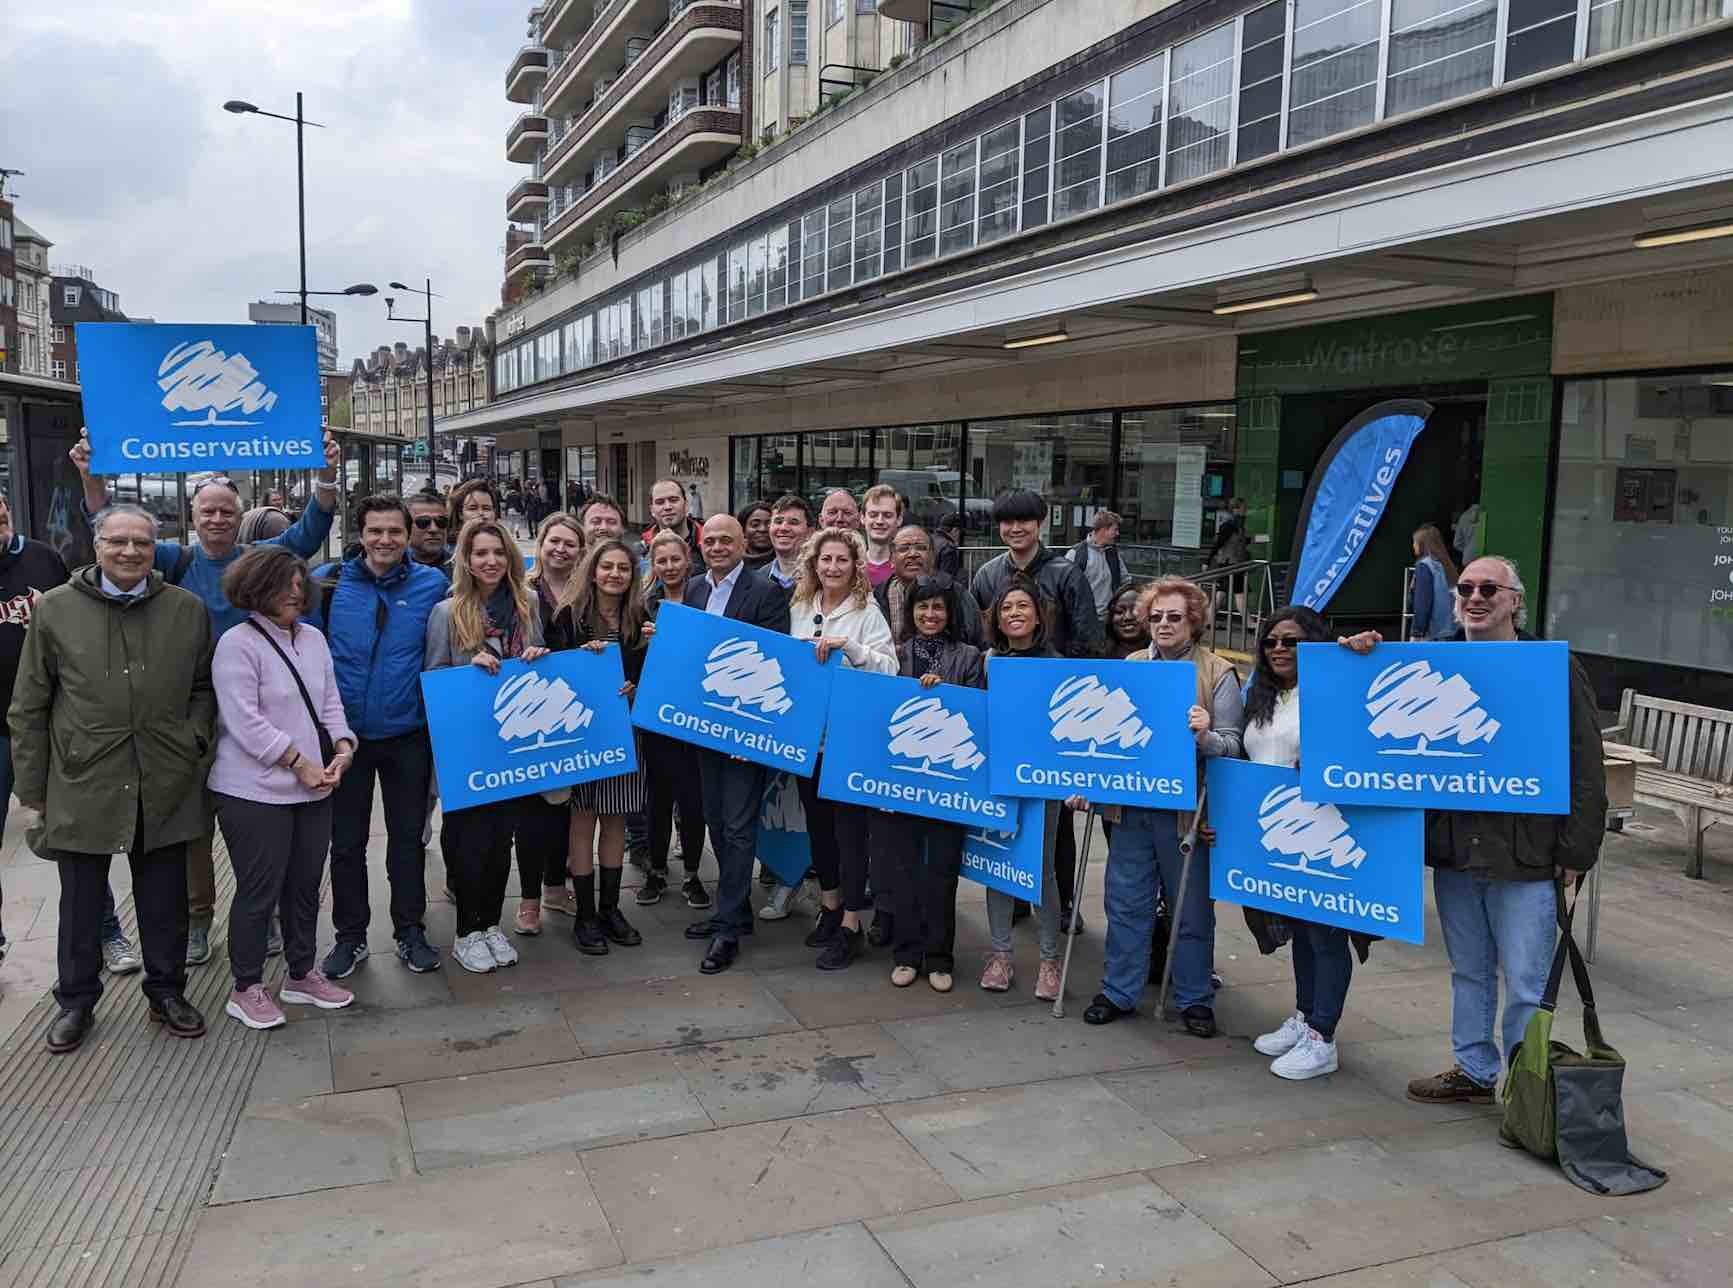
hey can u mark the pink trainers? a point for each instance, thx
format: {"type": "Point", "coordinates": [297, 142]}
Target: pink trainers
{"type": "Point", "coordinates": [313, 989]}
{"type": "Point", "coordinates": [1047, 980]}
{"type": "Point", "coordinates": [253, 1007]}
{"type": "Point", "coordinates": [996, 978]}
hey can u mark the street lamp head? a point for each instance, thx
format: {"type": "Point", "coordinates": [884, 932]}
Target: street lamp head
{"type": "Point", "coordinates": [238, 106]}
{"type": "Point", "coordinates": [399, 286]}
{"type": "Point", "coordinates": [390, 303]}
{"type": "Point", "coordinates": [361, 288]}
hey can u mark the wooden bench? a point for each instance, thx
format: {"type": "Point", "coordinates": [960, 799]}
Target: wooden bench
{"type": "Point", "coordinates": [1694, 779]}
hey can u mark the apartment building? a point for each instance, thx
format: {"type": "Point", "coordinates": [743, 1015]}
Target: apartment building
{"type": "Point", "coordinates": [33, 286]}
{"type": "Point", "coordinates": [387, 391]}
{"type": "Point", "coordinates": [323, 322]}
{"type": "Point", "coordinates": [75, 297]}
{"type": "Point", "coordinates": [1154, 255]}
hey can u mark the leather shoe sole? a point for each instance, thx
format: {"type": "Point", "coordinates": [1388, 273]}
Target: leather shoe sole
{"type": "Point", "coordinates": [720, 957]}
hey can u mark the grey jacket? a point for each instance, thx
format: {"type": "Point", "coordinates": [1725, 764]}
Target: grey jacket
{"type": "Point", "coordinates": [961, 664]}
{"type": "Point", "coordinates": [439, 653]}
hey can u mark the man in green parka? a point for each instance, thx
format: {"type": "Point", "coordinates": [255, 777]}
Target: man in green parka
{"type": "Point", "coordinates": [113, 717]}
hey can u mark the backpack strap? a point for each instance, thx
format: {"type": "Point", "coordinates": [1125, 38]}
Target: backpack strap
{"type": "Point", "coordinates": [183, 562]}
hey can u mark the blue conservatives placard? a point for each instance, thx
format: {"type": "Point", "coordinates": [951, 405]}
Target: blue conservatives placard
{"type": "Point", "coordinates": [1112, 731]}
{"type": "Point", "coordinates": [782, 842]}
{"type": "Point", "coordinates": [551, 723]}
{"type": "Point", "coordinates": [178, 399]}
{"type": "Point", "coordinates": [736, 688]}
{"type": "Point", "coordinates": [1454, 726]}
{"type": "Point", "coordinates": [892, 744]}
{"type": "Point", "coordinates": [1006, 861]}
{"type": "Point", "coordinates": [1279, 850]}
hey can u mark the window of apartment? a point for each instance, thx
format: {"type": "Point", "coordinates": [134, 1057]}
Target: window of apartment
{"type": "Point", "coordinates": [797, 21]}
{"type": "Point", "coordinates": [59, 335]}
{"type": "Point", "coordinates": [757, 265]}
{"type": "Point", "coordinates": [1262, 38]}
{"type": "Point", "coordinates": [1134, 129]}
{"type": "Point", "coordinates": [6, 293]}
{"type": "Point", "coordinates": [5, 234]}
{"type": "Point", "coordinates": [792, 229]}
{"type": "Point", "coordinates": [957, 198]}
{"type": "Point", "coordinates": [1616, 24]}
{"type": "Point", "coordinates": [1078, 148]}
{"type": "Point", "coordinates": [1334, 85]}
{"type": "Point", "coordinates": [922, 220]}
{"type": "Point", "coordinates": [869, 223]}
{"type": "Point", "coordinates": [734, 80]}
{"type": "Point", "coordinates": [1000, 150]}
{"type": "Point", "coordinates": [1439, 50]}
{"type": "Point", "coordinates": [812, 251]}
{"type": "Point", "coordinates": [893, 235]}
{"type": "Point", "coordinates": [1541, 34]}
{"type": "Point", "coordinates": [677, 307]}
{"type": "Point", "coordinates": [839, 265]}
{"type": "Point", "coordinates": [1037, 173]}
{"type": "Point", "coordinates": [737, 282]}
{"type": "Point", "coordinates": [776, 268]}
{"type": "Point", "coordinates": [772, 39]}
{"type": "Point", "coordinates": [838, 9]}
{"type": "Point", "coordinates": [707, 272]}
{"type": "Point", "coordinates": [59, 367]}
{"type": "Point", "coordinates": [70, 296]}
{"type": "Point", "coordinates": [1200, 104]}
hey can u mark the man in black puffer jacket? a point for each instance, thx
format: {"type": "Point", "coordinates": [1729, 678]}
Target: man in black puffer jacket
{"type": "Point", "coordinates": [1077, 630]}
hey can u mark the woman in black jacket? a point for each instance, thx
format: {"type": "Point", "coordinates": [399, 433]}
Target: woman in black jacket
{"type": "Point", "coordinates": [919, 859]}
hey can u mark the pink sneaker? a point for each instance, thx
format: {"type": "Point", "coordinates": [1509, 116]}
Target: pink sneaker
{"type": "Point", "coordinates": [996, 978]}
{"type": "Point", "coordinates": [253, 1007]}
{"type": "Point", "coordinates": [1047, 980]}
{"type": "Point", "coordinates": [313, 989]}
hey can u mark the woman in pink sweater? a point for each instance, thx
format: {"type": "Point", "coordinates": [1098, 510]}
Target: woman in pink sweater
{"type": "Point", "coordinates": [282, 745]}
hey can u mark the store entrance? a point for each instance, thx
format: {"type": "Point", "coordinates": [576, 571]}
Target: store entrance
{"type": "Point", "coordinates": [1440, 481]}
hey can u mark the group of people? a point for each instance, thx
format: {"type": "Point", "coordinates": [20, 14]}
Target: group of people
{"type": "Point", "coordinates": [165, 691]}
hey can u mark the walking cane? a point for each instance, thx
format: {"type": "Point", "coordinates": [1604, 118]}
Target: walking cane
{"type": "Point", "coordinates": [1187, 844]}
{"type": "Point", "coordinates": [1076, 911]}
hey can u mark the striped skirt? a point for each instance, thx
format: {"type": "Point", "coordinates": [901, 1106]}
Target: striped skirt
{"type": "Point", "coordinates": [608, 797]}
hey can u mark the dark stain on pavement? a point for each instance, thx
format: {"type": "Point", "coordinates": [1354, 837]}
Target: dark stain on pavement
{"type": "Point", "coordinates": [482, 1044]}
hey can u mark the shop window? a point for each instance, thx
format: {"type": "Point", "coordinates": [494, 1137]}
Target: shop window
{"type": "Point", "coordinates": [1077, 144]}
{"type": "Point", "coordinates": [923, 212]}
{"type": "Point", "coordinates": [924, 464]}
{"type": "Point", "coordinates": [1037, 173]}
{"type": "Point", "coordinates": [743, 456]}
{"type": "Point", "coordinates": [1335, 68]}
{"type": "Point", "coordinates": [1172, 461]}
{"type": "Point", "coordinates": [1200, 105]}
{"type": "Point", "coordinates": [869, 219]}
{"type": "Point", "coordinates": [893, 234]}
{"type": "Point", "coordinates": [1000, 151]}
{"type": "Point", "coordinates": [1439, 50]}
{"type": "Point", "coordinates": [957, 199]}
{"type": "Point", "coordinates": [1066, 458]}
{"type": "Point", "coordinates": [837, 458]}
{"type": "Point", "coordinates": [1542, 34]}
{"type": "Point", "coordinates": [839, 265]}
{"type": "Point", "coordinates": [1617, 24]}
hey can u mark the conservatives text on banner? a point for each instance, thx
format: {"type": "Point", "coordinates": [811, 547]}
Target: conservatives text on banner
{"type": "Point", "coordinates": [734, 688]}
{"type": "Point", "coordinates": [551, 723]}
{"type": "Point", "coordinates": [1005, 861]}
{"type": "Point", "coordinates": [1347, 866]}
{"type": "Point", "coordinates": [182, 399]}
{"type": "Point", "coordinates": [1450, 725]}
{"type": "Point", "coordinates": [1112, 731]}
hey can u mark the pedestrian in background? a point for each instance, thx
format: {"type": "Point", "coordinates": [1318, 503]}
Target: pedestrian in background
{"type": "Point", "coordinates": [1432, 598]}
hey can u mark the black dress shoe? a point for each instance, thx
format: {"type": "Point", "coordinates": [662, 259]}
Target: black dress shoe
{"type": "Point", "coordinates": [179, 1016]}
{"type": "Point", "coordinates": [719, 956]}
{"type": "Point", "coordinates": [826, 928]}
{"type": "Point", "coordinates": [883, 930]}
{"type": "Point", "coordinates": [617, 928]}
{"type": "Point", "coordinates": [1103, 1011]}
{"type": "Point", "coordinates": [1200, 1021]}
{"type": "Point", "coordinates": [588, 937]}
{"type": "Point", "coordinates": [69, 1029]}
{"type": "Point", "coordinates": [703, 929]}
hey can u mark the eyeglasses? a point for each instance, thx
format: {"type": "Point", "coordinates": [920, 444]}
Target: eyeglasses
{"type": "Point", "coordinates": [919, 548]}
{"type": "Point", "coordinates": [1171, 619]}
{"type": "Point", "coordinates": [128, 543]}
{"type": "Point", "coordinates": [1287, 642]}
{"type": "Point", "coordinates": [1485, 589]}
{"type": "Point", "coordinates": [425, 521]}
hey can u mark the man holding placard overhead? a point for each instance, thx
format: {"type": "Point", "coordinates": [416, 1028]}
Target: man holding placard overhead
{"type": "Point", "coordinates": [733, 788]}
{"type": "Point", "coordinates": [1493, 873]}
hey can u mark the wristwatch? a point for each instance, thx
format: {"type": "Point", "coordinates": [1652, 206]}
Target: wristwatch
{"type": "Point", "coordinates": [325, 485]}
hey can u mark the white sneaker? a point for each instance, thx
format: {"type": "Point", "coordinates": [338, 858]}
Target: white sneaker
{"type": "Point", "coordinates": [473, 954]}
{"type": "Point", "coordinates": [777, 908]}
{"type": "Point", "coordinates": [1311, 1057]}
{"type": "Point", "coordinates": [1284, 1039]}
{"type": "Point", "coordinates": [497, 944]}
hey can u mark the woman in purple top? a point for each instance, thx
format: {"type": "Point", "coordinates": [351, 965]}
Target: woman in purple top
{"type": "Point", "coordinates": [282, 745]}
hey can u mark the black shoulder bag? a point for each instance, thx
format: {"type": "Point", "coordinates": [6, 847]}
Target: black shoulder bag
{"type": "Point", "coordinates": [327, 748]}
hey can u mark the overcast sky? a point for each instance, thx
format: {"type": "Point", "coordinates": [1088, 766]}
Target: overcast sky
{"type": "Point", "coordinates": [114, 111]}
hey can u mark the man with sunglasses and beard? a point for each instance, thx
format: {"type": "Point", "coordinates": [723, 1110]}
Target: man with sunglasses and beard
{"type": "Point", "coordinates": [1493, 874]}
{"type": "Point", "coordinates": [430, 532]}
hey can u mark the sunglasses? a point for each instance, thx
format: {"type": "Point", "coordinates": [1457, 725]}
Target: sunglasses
{"type": "Point", "coordinates": [1485, 589]}
{"type": "Point", "coordinates": [426, 521]}
{"type": "Point", "coordinates": [1171, 619]}
{"type": "Point", "coordinates": [1287, 642]}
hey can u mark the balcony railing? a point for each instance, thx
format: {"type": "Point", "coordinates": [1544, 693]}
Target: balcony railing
{"type": "Point", "coordinates": [527, 196]}
{"type": "Point", "coordinates": [526, 134]}
{"type": "Point", "coordinates": [529, 68]}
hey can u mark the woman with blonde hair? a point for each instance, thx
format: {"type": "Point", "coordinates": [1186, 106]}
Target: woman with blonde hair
{"type": "Point", "coordinates": [1430, 600]}
{"type": "Point", "coordinates": [488, 619]}
{"type": "Point", "coordinates": [603, 605]}
{"type": "Point", "coordinates": [833, 606]}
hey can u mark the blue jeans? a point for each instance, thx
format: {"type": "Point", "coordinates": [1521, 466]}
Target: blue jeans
{"type": "Point", "coordinates": [1323, 965]}
{"type": "Point", "coordinates": [110, 922]}
{"type": "Point", "coordinates": [1142, 858]}
{"type": "Point", "coordinates": [1489, 924]}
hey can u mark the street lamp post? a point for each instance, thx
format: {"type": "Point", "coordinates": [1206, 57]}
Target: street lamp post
{"type": "Point", "coordinates": [426, 321]}
{"type": "Point", "coordinates": [241, 107]}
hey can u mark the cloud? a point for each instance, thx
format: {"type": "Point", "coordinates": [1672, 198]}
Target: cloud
{"type": "Point", "coordinates": [188, 212]}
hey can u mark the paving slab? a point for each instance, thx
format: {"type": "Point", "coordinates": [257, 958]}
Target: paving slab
{"type": "Point", "coordinates": [1657, 1057]}
{"type": "Point", "coordinates": [1247, 1010]}
{"type": "Point", "coordinates": [1546, 1259]}
{"type": "Point", "coordinates": [373, 1049]}
{"type": "Point", "coordinates": [1390, 1064]}
{"type": "Point", "coordinates": [319, 1143]}
{"type": "Point", "coordinates": [998, 1048]}
{"type": "Point", "coordinates": [673, 1012]}
{"type": "Point", "coordinates": [1710, 1022]}
{"type": "Point", "coordinates": [1691, 1243]}
{"type": "Point", "coordinates": [482, 1227]}
{"type": "Point", "coordinates": [994, 1142]}
{"type": "Point", "coordinates": [296, 1063]}
{"type": "Point", "coordinates": [579, 1104]}
{"type": "Point", "coordinates": [1127, 1230]}
{"type": "Point", "coordinates": [844, 1256]}
{"type": "Point", "coordinates": [787, 1075]}
{"type": "Point", "coordinates": [864, 993]}
{"type": "Point", "coordinates": [550, 964]}
{"type": "Point", "coordinates": [1238, 1107]}
{"type": "Point", "coordinates": [713, 1189]}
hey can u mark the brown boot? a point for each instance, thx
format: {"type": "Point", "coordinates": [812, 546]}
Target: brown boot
{"type": "Point", "coordinates": [1451, 1088]}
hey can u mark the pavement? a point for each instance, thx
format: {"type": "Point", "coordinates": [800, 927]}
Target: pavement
{"type": "Point", "coordinates": [621, 1120]}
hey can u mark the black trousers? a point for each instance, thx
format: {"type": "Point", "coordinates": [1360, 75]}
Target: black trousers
{"type": "Point", "coordinates": [159, 895]}
{"type": "Point", "coordinates": [404, 768]}
{"type": "Point", "coordinates": [673, 778]}
{"type": "Point", "coordinates": [278, 853]}
{"type": "Point", "coordinates": [922, 857]}
{"type": "Point", "coordinates": [478, 865]}
{"type": "Point", "coordinates": [1065, 856]}
{"type": "Point", "coordinates": [543, 833]}
{"type": "Point", "coordinates": [838, 835]}
{"type": "Point", "coordinates": [733, 794]}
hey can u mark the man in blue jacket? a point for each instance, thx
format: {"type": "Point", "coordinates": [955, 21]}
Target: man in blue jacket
{"type": "Point", "coordinates": [374, 617]}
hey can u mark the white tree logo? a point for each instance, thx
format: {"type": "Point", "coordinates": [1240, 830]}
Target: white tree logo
{"type": "Point", "coordinates": [532, 704]}
{"type": "Point", "coordinates": [1084, 710]}
{"type": "Point", "coordinates": [1411, 700]}
{"type": "Point", "coordinates": [921, 729]}
{"type": "Point", "coordinates": [198, 376]}
{"type": "Point", "coordinates": [739, 671]}
{"type": "Point", "coordinates": [1308, 833]}
{"type": "Point", "coordinates": [993, 840]}
{"type": "Point", "coordinates": [782, 810]}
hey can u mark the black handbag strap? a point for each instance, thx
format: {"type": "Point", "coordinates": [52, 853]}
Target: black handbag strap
{"type": "Point", "coordinates": [306, 698]}
{"type": "Point", "coordinates": [1567, 949]}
